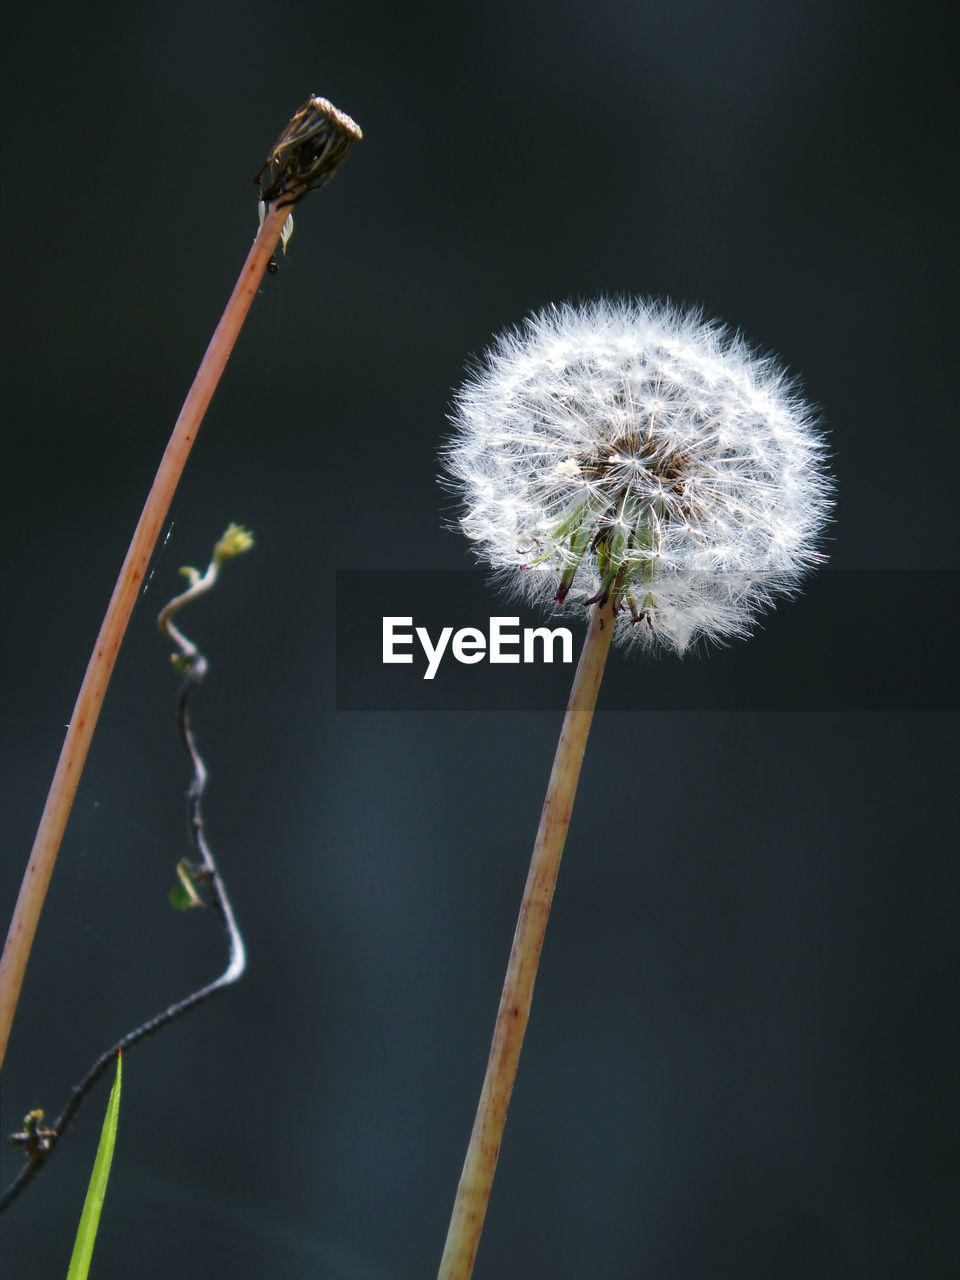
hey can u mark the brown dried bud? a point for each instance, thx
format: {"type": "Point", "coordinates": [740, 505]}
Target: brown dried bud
{"type": "Point", "coordinates": [307, 154]}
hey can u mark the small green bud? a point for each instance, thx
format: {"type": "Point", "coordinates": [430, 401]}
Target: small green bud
{"type": "Point", "coordinates": [234, 542]}
{"type": "Point", "coordinates": [184, 894]}
{"type": "Point", "coordinates": [34, 1138]}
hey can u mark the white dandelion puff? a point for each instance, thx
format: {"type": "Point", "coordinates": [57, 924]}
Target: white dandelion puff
{"type": "Point", "coordinates": [648, 462]}
{"type": "Point", "coordinates": [637, 452]}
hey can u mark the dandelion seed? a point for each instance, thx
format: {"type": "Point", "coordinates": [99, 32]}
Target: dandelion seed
{"type": "Point", "coordinates": [635, 451]}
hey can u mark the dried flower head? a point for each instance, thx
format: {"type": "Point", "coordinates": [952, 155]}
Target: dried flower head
{"type": "Point", "coordinates": [635, 450]}
{"type": "Point", "coordinates": [307, 154]}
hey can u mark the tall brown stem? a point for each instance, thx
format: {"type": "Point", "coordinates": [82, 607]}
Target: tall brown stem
{"type": "Point", "coordinates": [307, 154]}
{"type": "Point", "coordinates": [53, 821]}
{"type": "Point", "coordinates": [476, 1180]}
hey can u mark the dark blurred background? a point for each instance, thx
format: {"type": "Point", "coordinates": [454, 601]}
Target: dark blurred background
{"type": "Point", "coordinates": [742, 1058]}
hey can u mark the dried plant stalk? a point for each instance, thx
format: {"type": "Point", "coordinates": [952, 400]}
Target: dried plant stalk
{"type": "Point", "coordinates": [306, 156]}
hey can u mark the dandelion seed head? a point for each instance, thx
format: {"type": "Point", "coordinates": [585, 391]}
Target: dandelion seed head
{"type": "Point", "coordinates": [635, 450]}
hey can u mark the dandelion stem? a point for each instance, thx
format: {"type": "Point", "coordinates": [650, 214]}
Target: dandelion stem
{"type": "Point", "coordinates": [476, 1179]}
{"type": "Point", "coordinates": [63, 788]}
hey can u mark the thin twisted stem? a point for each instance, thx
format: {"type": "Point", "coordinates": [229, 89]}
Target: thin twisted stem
{"type": "Point", "coordinates": [39, 1142]}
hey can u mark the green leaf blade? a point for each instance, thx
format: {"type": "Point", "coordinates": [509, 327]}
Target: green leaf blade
{"type": "Point", "coordinates": [90, 1218]}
